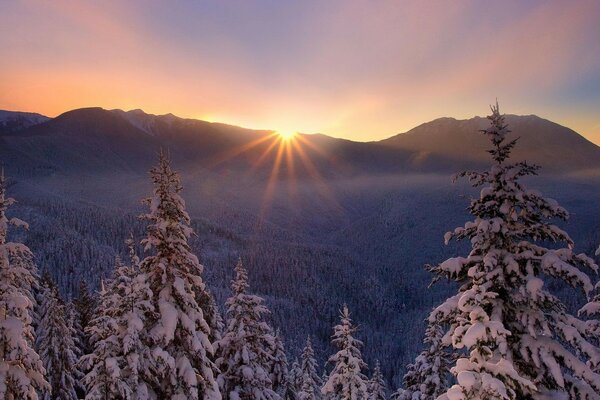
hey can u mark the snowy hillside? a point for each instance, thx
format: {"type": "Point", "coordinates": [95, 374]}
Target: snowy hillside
{"type": "Point", "coordinates": [358, 233]}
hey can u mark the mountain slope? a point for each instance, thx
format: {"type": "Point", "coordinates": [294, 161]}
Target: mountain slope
{"type": "Point", "coordinates": [94, 139]}
{"type": "Point", "coordinates": [354, 228]}
{"type": "Point", "coordinates": [542, 142]}
{"type": "Point", "coordinates": [15, 121]}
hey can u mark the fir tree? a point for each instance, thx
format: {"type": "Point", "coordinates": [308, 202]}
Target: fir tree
{"type": "Point", "coordinates": [346, 380]}
{"type": "Point", "coordinates": [245, 358]}
{"type": "Point", "coordinates": [295, 376]}
{"type": "Point", "coordinates": [310, 381]}
{"type": "Point", "coordinates": [178, 336]}
{"type": "Point", "coordinates": [76, 334]}
{"type": "Point", "coordinates": [377, 387]}
{"type": "Point", "coordinates": [85, 306]}
{"type": "Point", "coordinates": [21, 370]}
{"type": "Point", "coordinates": [518, 340]}
{"type": "Point", "coordinates": [206, 302]}
{"type": "Point", "coordinates": [289, 392]}
{"type": "Point", "coordinates": [428, 377]}
{"type": "Point", "coordinates": [57, 347]}
{"type": "Point", "coordinates": [120, 362]}
{"type": "Point", "coordinates": [279, 365]}
{"type": "Point", "coordinates": [103, 379]}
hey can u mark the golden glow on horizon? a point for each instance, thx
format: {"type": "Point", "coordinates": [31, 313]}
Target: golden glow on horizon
{"type": "Point", "coordinates": [352, 71]}
{"type": "Point", "coordinates": [286, 135]}
{"type": "Point", "coordinates": [293, 157]}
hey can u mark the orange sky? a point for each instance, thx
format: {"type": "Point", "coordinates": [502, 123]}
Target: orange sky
{"type": "Point", "coordinates": [356, 69]}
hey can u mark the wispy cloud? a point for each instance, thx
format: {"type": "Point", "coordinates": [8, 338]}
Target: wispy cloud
{"type": "Point", "coordinates": [356, 69]}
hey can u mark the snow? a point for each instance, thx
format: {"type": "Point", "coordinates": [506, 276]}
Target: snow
{"type": "Point", "coordinates": [502, 311]}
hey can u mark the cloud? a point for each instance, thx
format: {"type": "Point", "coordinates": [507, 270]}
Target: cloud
{"type": "Point", "coordinates": [357, 69]}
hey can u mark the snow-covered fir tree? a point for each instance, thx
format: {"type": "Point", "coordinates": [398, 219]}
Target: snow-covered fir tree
{"type": "Point", "coordinates": [245, 351]}
{"type": "Point", "coordinates": [324, 378]}
{"type": "Point", "coordinates": [518, 340]}
{"type": "Point", "coordinates": [85, 306]}
{"type": "Point", "coordinates": [310, 381]}
{"type": "Point", "coordinates": [346, 380]}
{"type": "Point", "coordinates": [429, 376]}
{"type": "Point", "coordinates": [76, 334]}
{"type": "Point", "coordinates": [279, 366]}
{"type": "Point", "coordinates": [295, 376]}
{"type": "Point", "coordinates": [119, 363]}
{"type": "Point", "coordinates": [212, 315]}
{"type": "Point", "coordinates": [289, 391]}
{"type": "Point", "coordinates": [103, 378]}
{"type": "Point", "coordinates": [21, 369]}
{"type": "Point", "coordinates": [178, 335]}
{"type": "Point", "coordinates": [377, 387]}
{"type": "Point", "coordinates": [57, 347]}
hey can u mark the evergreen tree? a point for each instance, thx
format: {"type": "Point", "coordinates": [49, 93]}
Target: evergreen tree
{"type": "Point", "coordinates": [295, 376]}
{"type": "Point", "coordinates": [57, 347]}
{"type": "Point", "coordinates": [428, 377]}
{"type": "Point", "coordinates": [103, 379]}
{"type": "Point", "coordinates": [245, 358]}
{"type": "Point", "coordinates": [279, 366]}
{"type": "Point", "coordinates": [85, 306]}
{"type": "Point", "coordinates": [289, 391]}
{"type": "Point", "coordinates": [310, 381]}
{"type": "Point", "coordinates": [21, 370]}
{"type": "Point", "coordinates": [120, 361]}
{"type": "Point", "coordinates": [377, 387]}
{"type": "Point", "coordinates": [206, 302]}
{"type": "Point", "coordinates": [346, 380]}
{"type": "Point", "coordinates": [519, 341]}
{"type": "Point", "coordinates": [77, 334]}
{"type": "Point", "coordinates": [178, 335]}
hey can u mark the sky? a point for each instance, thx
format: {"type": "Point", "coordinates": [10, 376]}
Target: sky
{"type": "Point", "coordinates": [361, 70]}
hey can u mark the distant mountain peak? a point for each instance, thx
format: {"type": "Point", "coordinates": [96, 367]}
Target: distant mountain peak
{"type": "Point", "coordinates": [15, 121]}
{"type": "Point", "coordinates": [541, 141]}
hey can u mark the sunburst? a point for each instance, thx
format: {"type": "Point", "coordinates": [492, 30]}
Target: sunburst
{"type": "Point", "coordinates": [286, 135]}
{"type": "Point", "coordinates": [290, 150]}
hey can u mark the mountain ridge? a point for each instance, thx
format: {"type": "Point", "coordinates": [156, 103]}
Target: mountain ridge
{"type": "Point", "coordinates": [443, 144]}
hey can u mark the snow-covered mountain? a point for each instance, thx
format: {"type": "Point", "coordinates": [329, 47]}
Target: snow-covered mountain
{"type": "Point", "coordinates": [96, 139]}
{"type": "Point", "coordinates": [456, 143]}
{"type": "Point", "coordinates": [15, 121]}
{"type": "Point", "coordinates": [356, 227]}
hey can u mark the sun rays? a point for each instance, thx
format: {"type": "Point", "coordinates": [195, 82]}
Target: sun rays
{"type": "Point", "coordinates": [293, 159]}
{"type": "Point", "coordinates": [286, 135]}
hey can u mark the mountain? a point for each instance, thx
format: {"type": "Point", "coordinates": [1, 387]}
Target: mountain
{"type": "Point", "coordinates": [318, 221]}
{"type": "Point", "coordinates": [94, 139]}
{"type": "Point", "coordinates": [542, 142]}
{"type": "Point", "coordinates": [15, 121]}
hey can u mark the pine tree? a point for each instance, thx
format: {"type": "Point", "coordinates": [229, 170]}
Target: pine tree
{"type": "Point", "coordinates": [518, 340]}
{"type": "Point", "coordinates": [310, 382]}
{"type": "Point", "coordinates": [103, 378]}
{"type": "Point", "coordinates": [119, 363]}
{"type": "Point", "coordinates": [206, 302]}
{"type": "Point", "coordinates": [178, 336]}
{"type": "Point", "coordinates": [21, 370]}
{"type": "Point", "coordinates": [295, 377]}
{"type": "Point", "coordinates": [85, 306]}
{"type": "Point", "coordinates": [279, 366]}
{"type": "Point", "coordinates": [346, 380]}
{"type": "Point", "coordinates": [377, 387]}
{"type": "Point", "coordinates": [76, 334]}
{"type": "Point", "coordinates": [428, 377]}
{"type": "Point", "coordinates": [245, 358]}
{"type": "Point", "coordinates": [57, 347]}
{"type": "Point", "coordinates": [289, 391]}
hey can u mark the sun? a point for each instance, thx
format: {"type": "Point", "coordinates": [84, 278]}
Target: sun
{"type": "Point", "coordinates": [286, 135]}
